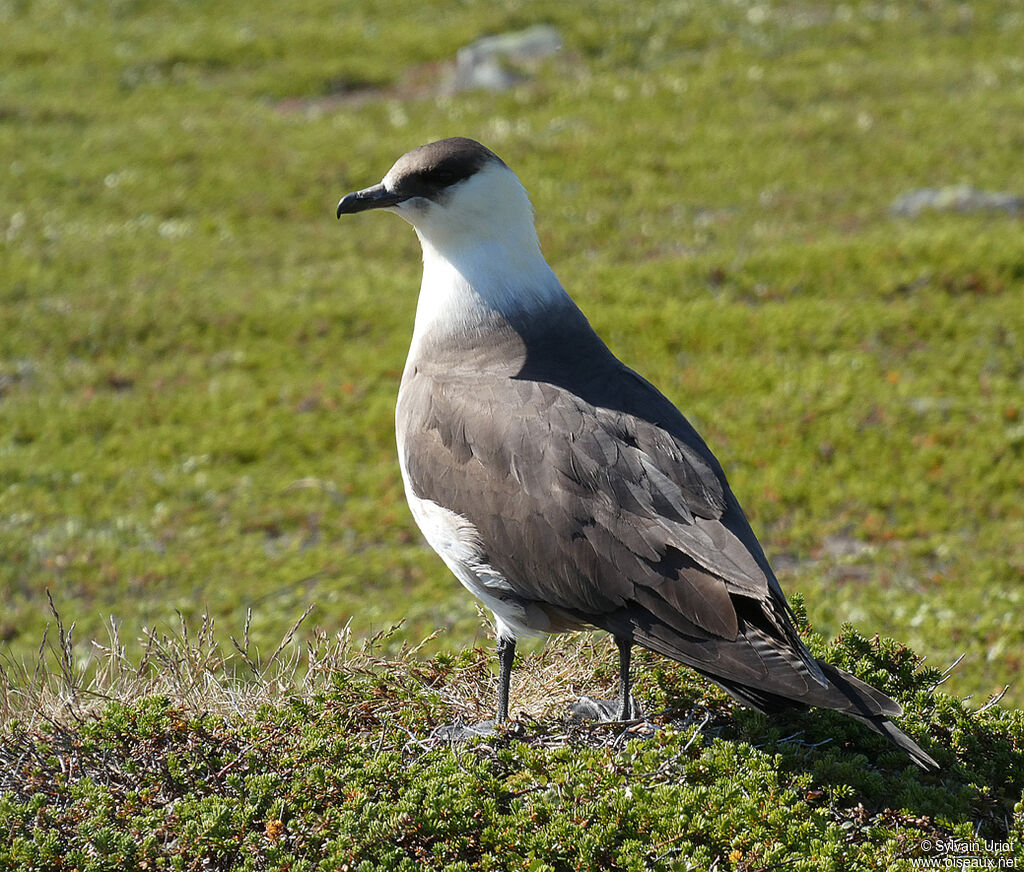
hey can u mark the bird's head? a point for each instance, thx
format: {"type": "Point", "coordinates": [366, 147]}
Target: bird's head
{"type": "Point", "coordinates": [455, 192]}
{"type": "Point", "coordinates": [481, 256]}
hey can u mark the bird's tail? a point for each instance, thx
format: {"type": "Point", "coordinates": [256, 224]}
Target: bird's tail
{"type": "Point", "coordinates": [770, 675]}
{"type": "Point", "coordinates": [846, 694]}
{"type": "Point", "coordinates": [869, 706]}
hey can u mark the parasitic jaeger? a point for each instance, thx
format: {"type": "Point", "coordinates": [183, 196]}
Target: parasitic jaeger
{"type": "Point", "coordinates": [561, 488]}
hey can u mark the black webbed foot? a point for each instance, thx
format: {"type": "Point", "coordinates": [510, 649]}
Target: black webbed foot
{"type": "Point", "coordinates": [604, 710]}
{"type": "Point", "coordinates": [460, 732]}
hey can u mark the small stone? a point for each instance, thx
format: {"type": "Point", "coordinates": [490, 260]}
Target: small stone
{"type": "Point", "coordinates": [484, 64]}
{"type": "Point", "coordinates": [956, 198]}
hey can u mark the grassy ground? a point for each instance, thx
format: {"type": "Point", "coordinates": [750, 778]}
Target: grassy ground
{"type": "Point", "coordinates": [197, 377]}
{"type": "Point", "coordinates": [326, 759]}
{"type": "Point", "coordinates": [198, 364]}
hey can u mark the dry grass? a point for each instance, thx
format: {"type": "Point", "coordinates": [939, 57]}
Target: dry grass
{"type": "Point", "coordinates": [545, 679]}
{"type": "Point", "coordinates": [193, 667]}
{"type": "Point", "coordinates": [190, 666]}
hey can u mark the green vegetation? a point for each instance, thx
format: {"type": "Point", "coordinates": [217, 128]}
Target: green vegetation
{"type": "Point", "coordinates": [342, 772]}
{"type": "Point", "coordinates": [198, 364]}
{"type": "Point", "coordinates": [198, 368]}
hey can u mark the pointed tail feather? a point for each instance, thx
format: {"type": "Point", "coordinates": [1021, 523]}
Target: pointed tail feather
{"type": "Point", "coordinates": [846, 694]}
{"type": "Point", "coordinates": [870, 706]}
{"type": "Point", "coordinates": [895, 735]}
{"type": "Point", "coordinates": [769, 678]}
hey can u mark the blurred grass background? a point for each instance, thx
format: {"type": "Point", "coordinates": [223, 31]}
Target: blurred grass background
{"type": "Point", "coordinates": [198, 364]}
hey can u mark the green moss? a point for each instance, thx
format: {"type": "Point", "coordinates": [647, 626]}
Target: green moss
{"type": "Point", "coordinates": [349, 778]}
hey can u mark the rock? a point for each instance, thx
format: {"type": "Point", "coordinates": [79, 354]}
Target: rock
{"type": "Point", "coordinates": [956, 198]}
{"type": "Point", "coordinates": [494, 63]}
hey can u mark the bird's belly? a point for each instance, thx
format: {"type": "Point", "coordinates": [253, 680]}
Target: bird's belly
{"type": "Point", "coordinates": [457, 543]}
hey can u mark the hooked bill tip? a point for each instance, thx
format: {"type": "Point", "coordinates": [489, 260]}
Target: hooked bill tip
{"type": "Point", "coordinates": [376, 197]}
{"type": "Point", "coordinates": [345, 204]}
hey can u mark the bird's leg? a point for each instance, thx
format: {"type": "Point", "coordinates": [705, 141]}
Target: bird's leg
{"type": "Point", "coordinates": [604, 710]}
{"type": "Point", "coordinates": [625, 701]}
{"type": "Point", "coordinates": [460, 732]}
{"type": "Point", "coordinates": [506, 654]}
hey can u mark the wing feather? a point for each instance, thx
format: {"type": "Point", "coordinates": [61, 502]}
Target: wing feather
{"type": "Point", "coordinates": [623, 522]}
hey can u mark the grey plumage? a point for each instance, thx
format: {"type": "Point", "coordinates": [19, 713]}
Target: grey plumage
{"type": "Point", "coordinates": [583, 498]}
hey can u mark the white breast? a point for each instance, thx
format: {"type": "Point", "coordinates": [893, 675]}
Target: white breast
{"type": "Point", "coordinates": [458, 544]}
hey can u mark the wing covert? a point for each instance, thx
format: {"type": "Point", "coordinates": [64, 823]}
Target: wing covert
{"type": "Point", "coordinates": [582, 507]}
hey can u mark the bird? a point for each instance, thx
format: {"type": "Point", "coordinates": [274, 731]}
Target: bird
{"type": "Point", "coordinates": [561, 488]}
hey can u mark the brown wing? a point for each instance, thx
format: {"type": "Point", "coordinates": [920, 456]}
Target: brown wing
{"type": "Point", "coordinates": [606, 515]}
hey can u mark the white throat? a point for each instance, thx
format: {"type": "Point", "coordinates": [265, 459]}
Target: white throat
{"type": "Point", "coordinates": [481, 258]}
